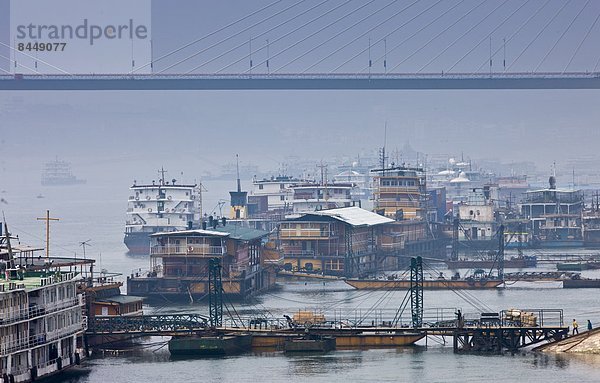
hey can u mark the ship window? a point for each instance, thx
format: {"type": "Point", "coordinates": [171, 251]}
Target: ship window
{"type": "Point", "coordinates": [260, 187]}
{"type": "Point", "coordinates": [282, 197]}
{"type": "Point", "coordinates": [281, 186]}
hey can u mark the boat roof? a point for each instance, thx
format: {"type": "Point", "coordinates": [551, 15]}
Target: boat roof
{"type": "Point", "coordinates": [190, 233]}
{"type": "Point", "coordinates": [553, 190]}
{"type": "Point", "coordinates": [122, 299]}
{"type": "Point", "coordinates": [162, 186]}
{"type": "Point", "coordinates": [242, 233]}
{"type": "Point", "coordinates": [18, 248]}
{"type": "Point", "coordinates": [354, 216]}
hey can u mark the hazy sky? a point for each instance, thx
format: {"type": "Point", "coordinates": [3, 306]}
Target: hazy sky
{"type": "Point", "coordinates": [128, 134]}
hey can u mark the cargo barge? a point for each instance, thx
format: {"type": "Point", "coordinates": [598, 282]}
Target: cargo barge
{"type": "Point", "coordinates": [431, 284]}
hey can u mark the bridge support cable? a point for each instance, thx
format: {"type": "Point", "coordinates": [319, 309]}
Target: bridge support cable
{"type": "Point", "coordinates": [364, 34]}
{"type": "Point", "coordinates": [320, 30]}
{"type": "Point", "coordinates": [423, 46]}
{"type": "Point", "coordinates": [286, 35]}
{"type": "Point", "coordinates": [335, 36]}
{"type": "Point", "coordinates": [238, 33]}
{"type": "Point", "coordinates": [581, 43]}
{"type": "Point", "coordinates": [388, 51]}
{"type": "Point", "coordinates": [501, 252]}
{"type": "Point", "coordinates": [381, 39]}
{"type": "Point", "coordinates": [260, 35]}
{"type": "Point", "coordinates": [469, 298]}
{"type": "Point", "coordinates": [539, 33]}
{"type": "Point", "coordinates": [487, 37]}
{"type": "Point", "coordinates": [11, 48]}
{"type": "Point", "coordinates": [401, 309]}
{"type": "Point", "coordinates": [461, 36]}
{"type": "Point", "coordinates": [153, 61]}
{"type": "Point", "coordinates": [486, 62]}
{"type": "Point", "coordinates": [561, 36]}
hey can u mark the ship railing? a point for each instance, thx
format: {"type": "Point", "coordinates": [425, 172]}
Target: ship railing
{"type": "Point", "coordinates": [298, 253]}
{"type": "Point", "coordinates": [35, 311]}
{"type": "Point", "coordinates": [193, 249]}
{"type": "Point", "coordinates": [40, 339]}
{"type": "Point", "coordinates": [292, 233]}
{"type": "Point", "coordinates": [393, 203]}
{"type": "Point", "coordinates": [396, 189]}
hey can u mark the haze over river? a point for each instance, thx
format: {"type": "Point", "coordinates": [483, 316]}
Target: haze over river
{"type": "Point", "coordinates": [96, 211]}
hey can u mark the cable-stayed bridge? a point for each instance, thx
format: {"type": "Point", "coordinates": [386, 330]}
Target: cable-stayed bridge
{"type": "Point", "coordinates": [352, 44]}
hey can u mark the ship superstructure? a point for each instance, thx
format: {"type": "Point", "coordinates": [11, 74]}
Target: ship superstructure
{"type": "Point", "coordinates": [554, 216]}
{"type": "Point", "coordinates": [42, 317]}
{"type": "Point", "coordinates": [161, 206]}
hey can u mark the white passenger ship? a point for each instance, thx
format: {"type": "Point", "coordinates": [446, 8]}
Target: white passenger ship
{"type": "Point", "coordinates": [42, 317]}
{"type": "Point", "coordinates": [160, 207]}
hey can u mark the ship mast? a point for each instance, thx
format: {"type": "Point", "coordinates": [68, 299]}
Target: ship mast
{"type": "Point", "coordinates": [10, 263]}
{"type": "Point", "coordinates": [162, 172]}
{"type": "Point", "coordinates": [48, 219]}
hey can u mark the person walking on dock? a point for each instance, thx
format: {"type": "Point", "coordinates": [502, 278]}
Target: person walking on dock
{"type": "Point", "coordinates": [589, 325]}
{"type": "Point", "coordinates": [575, 327]}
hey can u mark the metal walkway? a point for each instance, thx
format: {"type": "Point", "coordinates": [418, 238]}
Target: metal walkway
{"type": "Point", "coordinates": [147, 324]}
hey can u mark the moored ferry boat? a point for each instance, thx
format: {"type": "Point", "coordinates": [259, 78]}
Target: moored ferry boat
{"type": "Point", "coordinates": [180, 263]}
{"type": "Point", "coordinates": [159, 207]}
{"type": "Point", "coordinates": [42, 317]}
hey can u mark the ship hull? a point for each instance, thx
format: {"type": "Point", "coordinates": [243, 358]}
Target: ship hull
{"type": "Point", "coordinates": [437, 284]}
{"type": "Point", "coordinates": [581, 284]}
{"type": "Point", "coordinates": [560, 244]}
{"type": "Point", "coordinates": [351, 339]}
{"type": "Point", "coordinates": [480, 264]}
{"type": "Point", "coordinates": [137, 243]}
{"type": "Point", "coordinates": [591, 238]}
{"type": "Point", "coordinates": [197, 287]}
{"type": "Point", "coordinates": [210, 345]}
{"type": "Point", "coordinates": [61, 182]}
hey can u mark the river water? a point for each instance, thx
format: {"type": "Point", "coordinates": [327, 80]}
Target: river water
{"type": "Point", "coordinates": [96, 211]}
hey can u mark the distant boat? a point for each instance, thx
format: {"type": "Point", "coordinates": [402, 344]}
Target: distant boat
{"type": "Point", "coordinates": [58, 173]}
{"type": "Point", "coordinates": [39, 196]}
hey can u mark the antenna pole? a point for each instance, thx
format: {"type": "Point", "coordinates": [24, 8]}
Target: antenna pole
{"type": "Point", "coordinates": [490, 56]}
{"type": "Point", "coordinates": [385, 56]}
{"type": "Point", "coordinates": [267, 56]}
{"type": "Point", "coordinates": [48, 219]}
{"type": "Point", "coordinates": [237, 165]}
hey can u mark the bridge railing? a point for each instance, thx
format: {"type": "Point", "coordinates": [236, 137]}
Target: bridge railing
{"type": "Point", "coordinates": [306, 76]}
{"type": "Point", "coordinates": [147, 323]}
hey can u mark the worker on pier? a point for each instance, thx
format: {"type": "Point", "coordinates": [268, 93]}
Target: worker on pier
{"type": "Point", "coordinates": [589, 325]}
{"type": "Point", "coordinates": [575, 327]}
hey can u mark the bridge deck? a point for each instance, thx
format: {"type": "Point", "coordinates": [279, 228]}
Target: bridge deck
{"type": "Point", "coordinates": [316, 81]}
